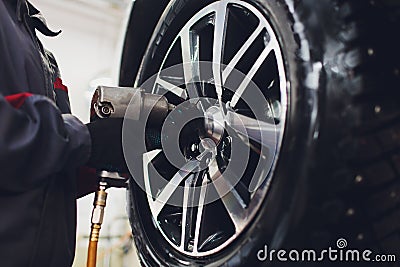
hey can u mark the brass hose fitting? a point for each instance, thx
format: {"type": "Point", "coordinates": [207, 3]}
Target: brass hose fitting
{"type": "Point", "coordinates": [97, 219]}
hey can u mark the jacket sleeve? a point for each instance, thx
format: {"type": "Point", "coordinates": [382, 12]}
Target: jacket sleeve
{"type": "Point", "coordinates": [36, 141]}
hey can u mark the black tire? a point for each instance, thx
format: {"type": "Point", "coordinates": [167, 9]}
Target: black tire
{"type": "Point", "coordinates": [137, 30]}
{"type": "Point", "coordinates": [338, 175]}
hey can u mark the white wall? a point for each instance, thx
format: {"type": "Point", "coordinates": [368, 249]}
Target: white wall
{"type": "Point", "coordinates": [89, 49]}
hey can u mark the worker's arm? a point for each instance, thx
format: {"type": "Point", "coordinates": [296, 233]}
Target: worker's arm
{"type": "Point", "coordinates": [36, 141]}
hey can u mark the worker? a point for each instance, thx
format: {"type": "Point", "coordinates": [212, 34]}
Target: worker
{"type": "Point", "coordinates": [47, 156]}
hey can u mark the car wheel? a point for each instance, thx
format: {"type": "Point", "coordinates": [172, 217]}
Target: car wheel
{"type": "Point", "coordinates": [308, 90]}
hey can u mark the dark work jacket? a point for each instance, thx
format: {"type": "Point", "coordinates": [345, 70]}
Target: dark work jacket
{"type": "Point", "coordinates": [41, 146]}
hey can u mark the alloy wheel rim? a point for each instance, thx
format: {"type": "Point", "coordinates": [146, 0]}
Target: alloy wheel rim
{"type": "Point", "coordinates": [190, 221]}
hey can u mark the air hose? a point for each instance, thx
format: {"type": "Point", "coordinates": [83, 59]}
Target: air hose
{"type": "Point", "coordinates": [97, 219]}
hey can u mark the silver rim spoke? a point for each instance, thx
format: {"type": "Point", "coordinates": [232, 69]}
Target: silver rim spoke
{"type": "Point", "coordinates": [219, 41]}
{"type": "Point", "coordinates": [242, 87]}
{"type": "Point", "coordinates": [163, 196]}
{"type": "Point", "coordinates": [168, 190]}
{"type": "Point", "coordinates": [147, 158]}
{"type": "Point", "coordinates": [186, 224]}
{"type": "Point", "coordinates": [190, 58]}
{"type": "Point", "coordinates": [232, 64]}
{"type": "Point", "coordinates": [161, 199]}
{"type": "Point", "coordinates": [188, 212]}
{"type": "Point", "coordinates": [232, 201]}
{"type": "Point", "coordinates": [263, 133]}
{"type": "Point", "coordinates": [172, 88]}
{"type": "Point", "coordinates": [200, 209]}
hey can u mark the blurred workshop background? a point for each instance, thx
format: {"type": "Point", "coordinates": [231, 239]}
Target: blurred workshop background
{"type": "Point", "coordinates": [88, 52]}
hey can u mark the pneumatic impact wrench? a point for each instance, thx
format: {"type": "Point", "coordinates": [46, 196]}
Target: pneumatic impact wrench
{"type": "Point", "coordinates": [114, 102]}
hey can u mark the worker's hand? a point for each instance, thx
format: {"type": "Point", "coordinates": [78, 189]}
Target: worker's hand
{"type": "Point", "coordinates": [107, 153]}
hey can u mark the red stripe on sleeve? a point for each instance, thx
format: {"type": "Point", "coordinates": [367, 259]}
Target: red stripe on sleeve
{"type": "Point", "coordinates": [59, 85]}
{"type": "Point", "coordinates": [17, 100]}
